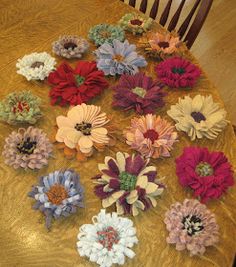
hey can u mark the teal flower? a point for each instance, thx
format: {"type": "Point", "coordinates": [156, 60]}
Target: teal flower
{"type": "Point", "coordinates": [105, 33]}
{"type": "Point", "coordinates": [20, 107]}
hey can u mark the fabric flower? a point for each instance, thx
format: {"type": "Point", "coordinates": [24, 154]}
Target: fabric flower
{"type": "Point", "coordinates": [27, 148]}
{"type": "Point", "coordinates": [135, 23]}
{"type": "Point", "coordinates": [119, 58]}
{"type": "Point", "coordinates": [36, 66]}
{"type": "Point", "coordinates": [76, 86]}
{"type": "Point", "coordinates": [178, 72]}
{"type": "Point", "coordinates": [208, 174]}
{"type": "Point", "coordinates": [70, 46]}
{"type": "Point", "coordinates": [199, 117]}
{"type": "Point", "coordinates": [128, 182]}
{"type": "Point", "coordinates": [105, 33]}
{"type": "Point", "coordinates": [22, 107]}
{"type": "Point", "coordinates": [58, 194]}
{"type": "Point", "coordinates": [138, 92]}
{"type": "Point", "coordinates": [191, 226]}
{"type": "Point", "coordinates": [151, 135]}
{"type": "Point", "coordinates": [108, 240]}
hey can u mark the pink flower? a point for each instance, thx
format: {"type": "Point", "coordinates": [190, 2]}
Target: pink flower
{"type": "Point", "coordinates": [209, 174]}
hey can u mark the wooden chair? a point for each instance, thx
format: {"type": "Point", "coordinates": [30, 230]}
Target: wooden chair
{"type": "Point", "coordinates": [188, 33]}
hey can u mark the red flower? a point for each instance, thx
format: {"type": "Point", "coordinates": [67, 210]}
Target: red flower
{"type": "Point", "coordinates": [76, 86]}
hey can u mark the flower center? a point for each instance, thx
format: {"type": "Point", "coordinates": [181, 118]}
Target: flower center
{"type": "Point", "coordinates": [180, 71]}
{"type": "Point", "coordinates": [70, 45]}
{"type": "Point", "coordinates": [20, 107]}
{"type": "Point", "coordinates": [151, 134]}
{"type": "Point", "coordinates": [139, 91]}
{"type": "Point", "coordinates": [84, 127]}
{"type": "Point", "coordinates": [105, 34]}
{"type": "Point", "coordinates": [108, 237]}
{"type": "Point", "coordinates": [118, 58]}
{"type": "Point", "coordinates": [204, 169]}
{"type": "Point", "coordinates": [198, 116]}
{"type": "Point", "coordinates": [136, 22]}
{"type": "Point", "coordinates": [192, 224]}
{"type": "Point", "coordinates": [57, 194]}
{"type": "Point", "coordinates": [37, 64]}
{"type": "Point", "coordinates": [79, 79]}
{"type": "Point", "coordinates": [164, 44]}
{"type": "Point", "coordinates": [127, 181]}
{"type": "Point", "coordinates": [26, 146]}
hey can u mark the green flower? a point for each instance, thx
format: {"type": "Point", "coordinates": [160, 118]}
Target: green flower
{"type": "Point", "coordinates": [105, 33]}
{"type": "Point", "coordinates": [20, 107]}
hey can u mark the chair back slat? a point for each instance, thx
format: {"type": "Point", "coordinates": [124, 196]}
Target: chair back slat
{"type": "Point", "coordinates": [176, 16]}
{"type": "Point", "coordinates": [143, 6]}
{"type": "Point", "coordinates": [132, 3]}
{"type": "Point", "coordinates": [165, 13]}
{"type": "Point", "coordinates": [154, 10]}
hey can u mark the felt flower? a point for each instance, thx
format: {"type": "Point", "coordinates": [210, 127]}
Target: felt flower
{"type": "Point", "coordinates": [58, 194]}
{"type": "Point", "coordinates": [135, 23]}
{"type": "Point", "coordinates": [151, 135]}
{"type": "Point", "coordinates": [199, 117]}
{"type": "Point", "coordinates": [22, 107]}
{"type": "Point", "coordinates": [128, 182]}
{"type": "Point", "coordinates": [108, 240]}
{"type": "Point", "coordinates": [119, 58]}
{"type": "Point", "coordinates": [191, 226]}
{"type": "Point", "coordinates": [75, 86]}
{"type": "Point", "coordinates": [27, 148]}
{"type": "Point", "coordinates": [70, 46]}
{"type": "Point", "coordinates": [208, 174]}
{"type": "Point", "coordinates": [105, 33]}
{"type": "Point", "coordinates": [178, 72]}
{"type": "Point", "coordinates": [138, 92]}
{"type": "Point", "coordinates": [36, 66]}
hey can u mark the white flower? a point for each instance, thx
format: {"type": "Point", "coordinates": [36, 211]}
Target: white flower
{"type": "Point", "coordinates": [198, 117]}
{"type": "Point", "coordinates": [108, 240]}
{"type": "Point", "coordinates": [35, 66]}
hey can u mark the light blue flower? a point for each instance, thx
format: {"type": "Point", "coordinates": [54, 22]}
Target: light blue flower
{"type": "Point", "coordinates": [121, 58]}
{"type": "Point", "coordinates": [58, 194]}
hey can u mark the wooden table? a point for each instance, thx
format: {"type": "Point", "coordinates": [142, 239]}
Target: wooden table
{"type": "Point", "coordinates": [29, 26]}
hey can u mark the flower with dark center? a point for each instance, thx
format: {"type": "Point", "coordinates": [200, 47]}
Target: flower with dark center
{"type": "Point", "coordinates": [192, 224]}
{"type": "Point", "coordinates": [198, 116]}
{"type": "Point", "coordinates": [164, 44]}
{"type": "Point", "coordinates": [37, 64]}
{"type": "Point", "coordinates": [26, 146]}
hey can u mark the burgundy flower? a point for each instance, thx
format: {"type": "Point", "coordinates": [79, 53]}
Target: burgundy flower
{"type": "Point", "coordinates": [76, 86]}
{"type": "Point", "coordinates": [178, 72]}
{"type": "Point", "coordinates": [209, 174]}
{"type": "Point", "coordinates": [138, 92]}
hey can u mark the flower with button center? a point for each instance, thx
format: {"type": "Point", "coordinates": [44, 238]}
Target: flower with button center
{"type": "Point", "coordinates": [208, 174]}
{"type": "Point", "coordinates": [129, 182]}
{"type": "Point", "coordinates": [191, 226]}
{"type": "Point", "coordinates": [58, 194]}
{"type": "Point", "coordinates": [76, 86]}
{"type": "Point", "coordinates": [108, 240]}
{"type": "Point", "coordinates": [199, 117]}
{"type": "Point", "coordinates": [70, 46]}
{"type": "Point", "coordinates": [138, 92]}
{"type": "Point", "coordinates": [151, 135]}
{"type": "Point", "coordinates": [27, 148]}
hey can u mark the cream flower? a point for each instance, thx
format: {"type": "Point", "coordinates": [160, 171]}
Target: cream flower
{"type": "Point", "coordinates": [199, 117]}
{"type": "Point", "coordinates": [36, 66]}
{"type": "Point", "coordinates": [82, 128]}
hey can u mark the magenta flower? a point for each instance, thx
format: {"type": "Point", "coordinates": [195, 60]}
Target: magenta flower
{"type": "Point", "coordinates": [191, 226]}
{"type": "Point", "coordinates": [178, 72]}
{"type": "Point", "coordinates": [209, 174]}
{"type": "Point", "coordinates": [138, 92]}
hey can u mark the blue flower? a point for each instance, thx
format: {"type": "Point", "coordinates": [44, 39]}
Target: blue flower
{"type": "Point", "coordinates": [58, 194]}
{"type": "Point", "coordinates": [121, 58]}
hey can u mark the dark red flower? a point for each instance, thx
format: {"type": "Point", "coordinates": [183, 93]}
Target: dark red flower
{"type": "Point", "coordinates": [76, 86]}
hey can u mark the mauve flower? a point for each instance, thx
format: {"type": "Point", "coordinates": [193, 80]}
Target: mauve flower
{"type": "Point", "coordinates": [177, 72]}
{"type": "Point", "coordinates": [58, 194]}
{"type": "Point", "coordinates": [76, 86]}
{"type": "Point", "coordinates": [129, 182]}
{"type": "Point", "coordinates": [27, 148]}
{"type": "Point", "coordinates": [119, 58]}
{"type": "Point", "coordinates": [138, 92]}
{"type": "Point", "coordinates": [208, 174]}
{"type": "Point", "coordinates": [191, 226]}
{"type": "Point", "coordinates": [151, 135]}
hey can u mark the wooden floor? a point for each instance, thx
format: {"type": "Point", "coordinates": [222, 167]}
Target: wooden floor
{"type": "Point", "coordinates": [215, 49]}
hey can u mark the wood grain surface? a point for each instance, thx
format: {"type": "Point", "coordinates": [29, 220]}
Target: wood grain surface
{"type": "Point", "coordinates": [31, 26]}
